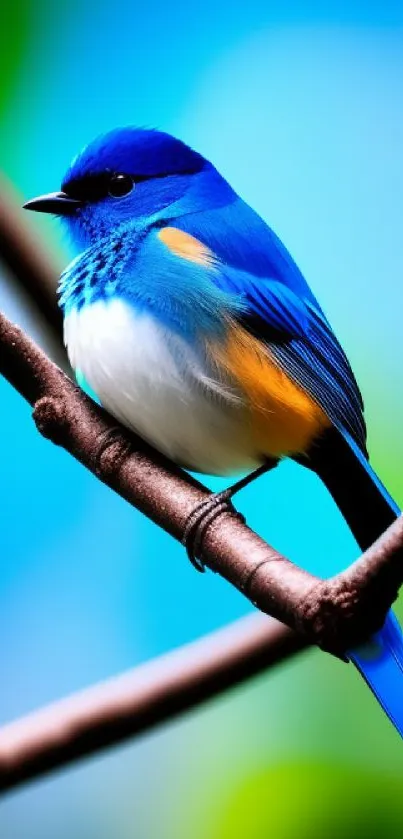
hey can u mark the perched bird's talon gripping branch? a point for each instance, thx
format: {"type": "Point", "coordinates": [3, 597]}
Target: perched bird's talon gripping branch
{"type": "Point", "coordinates": [200, 519]}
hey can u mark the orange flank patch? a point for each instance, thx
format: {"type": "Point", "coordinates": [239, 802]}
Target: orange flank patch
{"type": "Point", "coordinates": [284, 419]}
{"type": "Point", "coordinates": [184, 245]}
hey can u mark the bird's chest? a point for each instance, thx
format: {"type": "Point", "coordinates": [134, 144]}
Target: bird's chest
{"type": "Point", "coordinates": [219, 411]}
{"type": "Point", "coordinates": [155, 383]}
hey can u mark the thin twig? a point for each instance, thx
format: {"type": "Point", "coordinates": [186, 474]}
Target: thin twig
{"type": "Point", "coordinates": [133, 702]}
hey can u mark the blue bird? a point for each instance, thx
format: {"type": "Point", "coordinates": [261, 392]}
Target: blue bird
{"type": "Point", "coordinates": [192, 324]}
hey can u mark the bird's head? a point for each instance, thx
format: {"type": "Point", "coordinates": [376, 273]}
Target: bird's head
{"type": "Point", "coordinates": [129, 174]}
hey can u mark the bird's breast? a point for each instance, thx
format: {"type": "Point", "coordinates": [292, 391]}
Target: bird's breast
{"type": "Point", "coordinates": [218, 407]}
{"type": "Point", "coordinates": [158, 385]}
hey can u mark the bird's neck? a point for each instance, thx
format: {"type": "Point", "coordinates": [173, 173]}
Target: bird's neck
{"type": "Point", "coordinates": [134, 265]}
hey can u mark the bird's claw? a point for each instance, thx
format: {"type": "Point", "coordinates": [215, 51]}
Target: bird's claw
{"type": "Point", "coordinates": [200, 519]}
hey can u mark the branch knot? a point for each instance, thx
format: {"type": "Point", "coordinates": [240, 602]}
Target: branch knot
{"type": "Point", "coordinates": [339, 614]}
{"type": "Point", "coordinates": [112, 450]}
{"type": "Point", "coordinates": [50, 416]}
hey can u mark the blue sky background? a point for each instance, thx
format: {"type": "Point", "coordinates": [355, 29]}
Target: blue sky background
{"type": "Point", "coordinates": [300, 106]}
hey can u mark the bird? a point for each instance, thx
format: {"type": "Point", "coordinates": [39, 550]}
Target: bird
{"type": "Point", "coordinates": [190, 322]}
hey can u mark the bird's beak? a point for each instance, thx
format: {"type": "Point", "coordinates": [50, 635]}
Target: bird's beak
{"type": "Point", "coordinates": [55, 202]}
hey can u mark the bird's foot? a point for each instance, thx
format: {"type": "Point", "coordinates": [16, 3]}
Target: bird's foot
{"type": "Point", "coordinates": [208, 510]}
{"type": "Point", "coordinates": [200, 519]}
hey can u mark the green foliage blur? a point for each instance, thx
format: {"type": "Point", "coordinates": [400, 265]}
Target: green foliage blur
{"type": "Point", "coordinates": [15, 21]}
{"type": "Point", "coordinates": [313, 801]}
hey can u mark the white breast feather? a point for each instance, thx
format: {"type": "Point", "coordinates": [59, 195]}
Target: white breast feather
{"type": "Point", "coordinates": [154, 383]}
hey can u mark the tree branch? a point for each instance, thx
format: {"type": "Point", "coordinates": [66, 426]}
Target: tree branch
{"type": "Point", "coordinates": [336, 614]}
{"type": "Point", "coordinates": [133, 702]}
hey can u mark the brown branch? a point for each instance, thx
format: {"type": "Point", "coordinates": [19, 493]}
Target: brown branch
{"type": "Point", "coordinates": [136, 701]}
{"type": "Point", "coordinates": [335, 614]}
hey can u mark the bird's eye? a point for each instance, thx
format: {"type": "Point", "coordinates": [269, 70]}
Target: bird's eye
{"type": "Point", "coordinates": [120, 185]}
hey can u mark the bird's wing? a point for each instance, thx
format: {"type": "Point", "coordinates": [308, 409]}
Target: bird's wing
{"type": "Point", "coordinates": [302, 343]}
{"type": "Point", "coordinates": [281, 310]}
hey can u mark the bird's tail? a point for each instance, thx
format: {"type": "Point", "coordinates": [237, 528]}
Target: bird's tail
{"type": "Point", "coordinates": [369, 510]}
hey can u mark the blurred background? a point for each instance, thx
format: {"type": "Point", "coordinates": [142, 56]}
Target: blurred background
{"type": "Point", "coordinates": [300, 105]}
